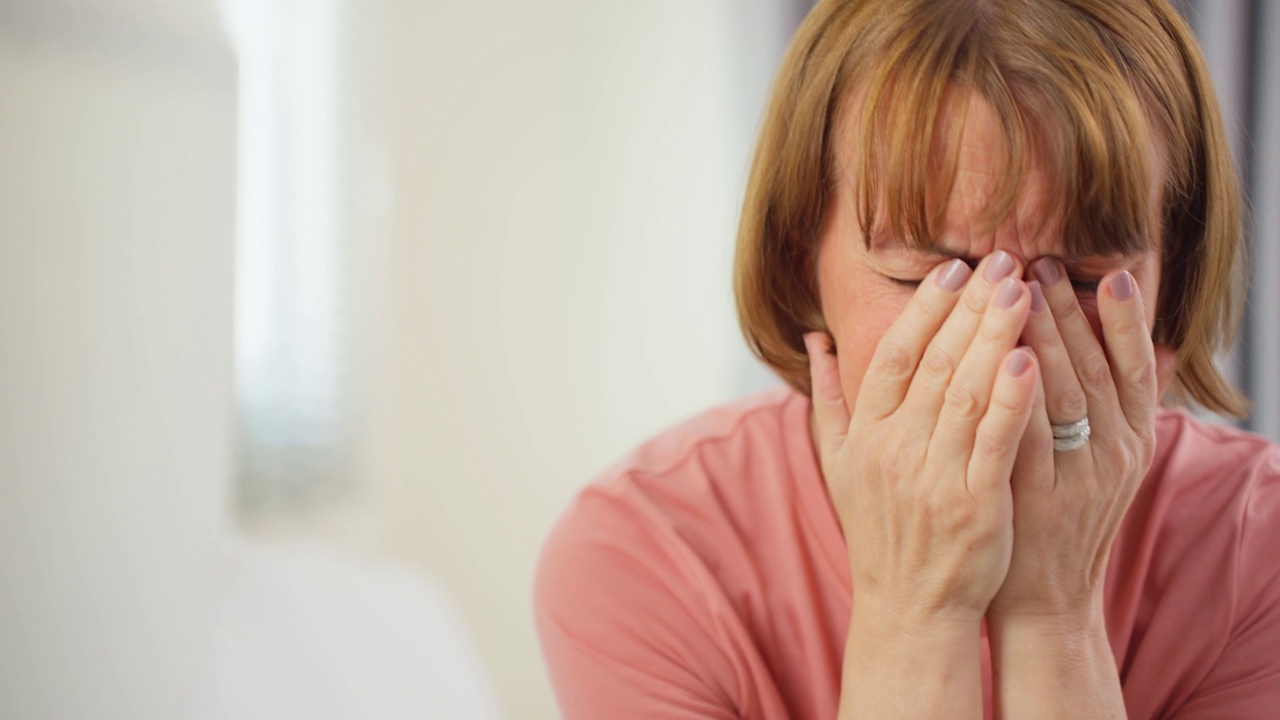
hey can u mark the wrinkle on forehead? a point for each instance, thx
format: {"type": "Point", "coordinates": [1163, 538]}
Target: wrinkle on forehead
{"type": "Point", "coordinates": [971, 141]}
{"type": "Point", "coordinates": [1034, 226]}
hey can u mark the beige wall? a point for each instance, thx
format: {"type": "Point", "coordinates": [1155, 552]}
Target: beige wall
{"type": "Point", "coordinates": [540, 200]}
{"type": "Point", "coordinates": [548, 274]}
{"type": "Point", "coordinates": [566, 178]}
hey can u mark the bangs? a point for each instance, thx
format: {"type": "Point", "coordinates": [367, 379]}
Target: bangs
{"type": "Point", "coordinates": [1062, 101]}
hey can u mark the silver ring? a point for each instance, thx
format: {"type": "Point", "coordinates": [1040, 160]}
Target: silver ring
{"type": "Point", "coordinates": [1071, 436]}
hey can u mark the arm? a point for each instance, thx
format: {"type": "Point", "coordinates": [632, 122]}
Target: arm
{"type": "Point", "coordinates": [623, 632]}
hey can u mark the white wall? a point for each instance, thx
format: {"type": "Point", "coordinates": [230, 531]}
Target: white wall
{"type": "Point", "coordinates": [116, 156]}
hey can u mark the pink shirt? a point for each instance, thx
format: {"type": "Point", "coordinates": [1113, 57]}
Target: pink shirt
{"type": "Point", "coordinates": [705, 576]}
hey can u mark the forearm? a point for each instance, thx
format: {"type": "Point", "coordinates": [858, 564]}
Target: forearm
{"type": "Point", "coordinates": [1054, 669]}
{"type": "Point", "coordinates": [894, 668]}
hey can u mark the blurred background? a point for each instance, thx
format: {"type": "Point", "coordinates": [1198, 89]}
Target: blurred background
{"type": "Point", "coordinates": [314, 314]}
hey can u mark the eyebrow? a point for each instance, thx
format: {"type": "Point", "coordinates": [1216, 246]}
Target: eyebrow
{"type": "Point", "coordinates": [972, 261]}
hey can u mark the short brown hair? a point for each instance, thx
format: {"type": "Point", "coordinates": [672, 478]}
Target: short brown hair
{"type": "Point", "coordinates": [1084, 85]}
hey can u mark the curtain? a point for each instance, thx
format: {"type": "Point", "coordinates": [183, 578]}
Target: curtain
{"type": "Point", "coordinates": [1246, 71]}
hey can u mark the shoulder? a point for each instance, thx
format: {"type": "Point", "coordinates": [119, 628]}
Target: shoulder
{"type": "Point", "coordinates": [628, 583]}
{"type": "Point", "coordinates": [1214, 463]}
{"type": "Point", "coordinates": [679, 482]}
{"type": "Point", "coordinates": [759, 420]}
{"type": "Point", "coordinates": [1180, 430]}
{"type": "Point", "coordinates": [1212, 499]}
{"type": "Point", "coordinates": [699, 468]}
{"type": "Point", "coordinates": [1212, 519]}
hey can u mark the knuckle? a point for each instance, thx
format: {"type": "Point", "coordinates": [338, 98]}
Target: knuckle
{"type": "Point", "coordinates": [990, 446]}
{"type": "Point", "coordinates": [962, 401]}
{"type": "Point", "coordinates": [895, 360]}
{"type": "Point", "coordinates": [938, 363]}
{"type": "Point", "coordinates": [963, 517]}
{"type": "Point", "coordinates": [974, 302]}
{"type": "Point", "coordinates": [992, 331]}
{"type": "Point", "coordinates": [1129, 463]}
{"type": "Point", "coordinates": [1123, 460]}
{"type": "Point", "coordinates": [1064, 310]}
{"type": "Point", "coordinates": [1094, 371]}
{"type": "Point", "coordinates": [1007, 403]}
{"type": "Point", "coordinates": [1128, 328]}
{"type": "Point", "coordinates": [1143, 447]}
{"type": "Point", "coordinates": [1142, 377]}
{"type": "Point", "coordinates": [889, 459]}
{"type": "Point", "coordinates": [1071, 405]}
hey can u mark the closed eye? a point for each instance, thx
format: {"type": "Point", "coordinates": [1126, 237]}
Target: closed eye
{"type": "Point", "coordinates": [1085, 287]}
{"type": "Point", "coordinates": [904, 282]}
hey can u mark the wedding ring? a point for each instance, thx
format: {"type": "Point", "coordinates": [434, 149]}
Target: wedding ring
{"type": "Point", "coordinates": [1071, 436]}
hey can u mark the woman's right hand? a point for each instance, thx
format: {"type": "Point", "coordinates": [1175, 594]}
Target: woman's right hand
{"type": "Point", "coordinates": [919, 472]}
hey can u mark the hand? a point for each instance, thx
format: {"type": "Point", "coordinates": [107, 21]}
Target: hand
{"type": "Point", "coordinates": [1068, 505]}
{"type": "Point", "coordinates": [919, 472]}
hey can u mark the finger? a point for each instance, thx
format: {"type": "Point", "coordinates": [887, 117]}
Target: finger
{"type": "Point", "coordinates": [898, 352]}
{"type": "Point", "coordinates": [1088, 359]}
{"type": "Point", "coordinates": [996, 443]}
{"type": "Point", "coordinates": [1065, 401]}
{"type": "Point", "coordinates": [1034, 463]}
{"type": "Point", "coordinates": [830, 416]}
{"type": "Point", "coordinates": [944, 352]}
{"type": "Point", "coordinates": [1129, 348]}
{"type": "Point", "coordinates": [967, 397]}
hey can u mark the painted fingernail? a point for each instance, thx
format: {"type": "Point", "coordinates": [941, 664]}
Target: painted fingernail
{"type": "Point", "coordinates": [954, 275]}
{"type": "Point", "coordinates": [1000, 265]}
{"type": "Point", "coordinates": [1122, 286]}
{"type": "Point", "coordinates": [1019, 362]}
{"type": "Point", "coordinates": [1046, 271]}
{"type": "Point", "coordinates": [1038, 304]}
{"type": "Point", "coordinates": [1009, 293]}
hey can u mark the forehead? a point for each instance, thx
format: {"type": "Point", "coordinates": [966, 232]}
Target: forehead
{"type": "Point", "coordinates": [970, 140]}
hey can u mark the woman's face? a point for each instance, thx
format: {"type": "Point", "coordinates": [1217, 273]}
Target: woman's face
{"type": "Point", "coordinates": [862, 290]}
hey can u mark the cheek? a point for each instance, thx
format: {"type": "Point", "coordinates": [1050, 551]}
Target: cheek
{"type": "Point", "coordinates": [856, 343]}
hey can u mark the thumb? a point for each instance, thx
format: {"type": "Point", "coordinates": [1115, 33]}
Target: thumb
{"type": "Point", "coordinates": [830, 415]}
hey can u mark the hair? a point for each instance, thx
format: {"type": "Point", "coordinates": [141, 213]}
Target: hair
{"type": "Point", "coordinates": [1102, 93]}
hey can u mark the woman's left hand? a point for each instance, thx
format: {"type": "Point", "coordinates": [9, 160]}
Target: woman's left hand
{"type": "Point", "coordinates": [1068, 504]}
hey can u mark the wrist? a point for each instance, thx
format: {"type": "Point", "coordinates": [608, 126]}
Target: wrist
{"type": "Point", "coordinates": [1054, 666]}
{"type": "Point", "coordinates": [900, 666]}
{"type": "Point", "coordinates": [1063, 622]}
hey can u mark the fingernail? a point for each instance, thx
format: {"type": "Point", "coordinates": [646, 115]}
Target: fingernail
{"type": "Point", "coordinates": [1010, 292]}
{"type": "Point", "coordinates": [1019, 362]}
{"type": "Point", "coordinates": [954, 275]}
{"type": "Point", "coordinates": [1000, 265]}
{"type": "Point", "coordinates": [1046, 271]}
{"type": "Point", "coordinates": [1038, 304]}
{"type": "Point", "coordinates": [1122, 286]}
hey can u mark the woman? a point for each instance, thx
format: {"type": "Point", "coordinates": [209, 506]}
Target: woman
{"type": "Point", "coordinates": [981, 240]}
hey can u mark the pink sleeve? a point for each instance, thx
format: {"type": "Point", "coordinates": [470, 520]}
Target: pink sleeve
{"type": "Point", "coordinates": [624, 630]}
{"type": "Point", "coordinates": [1244, 683]}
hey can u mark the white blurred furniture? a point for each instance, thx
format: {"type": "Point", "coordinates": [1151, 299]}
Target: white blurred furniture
{"type": "Point", "coordinates": [310, 633]}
